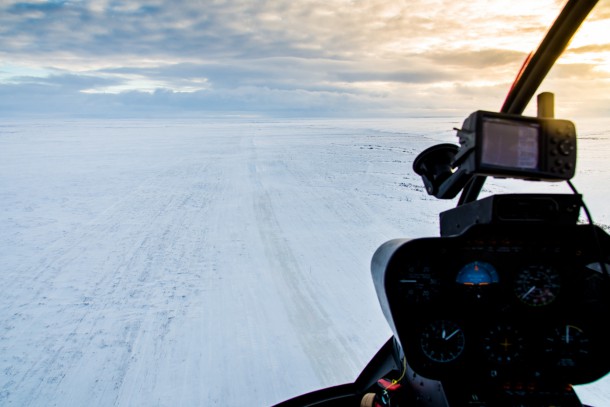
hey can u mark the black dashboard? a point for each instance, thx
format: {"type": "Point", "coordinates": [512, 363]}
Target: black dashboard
{"type": "Point", "coordinates": [512, 305]}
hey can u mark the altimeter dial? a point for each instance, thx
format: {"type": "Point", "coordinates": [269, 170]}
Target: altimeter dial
{"type": "Point", "coordinates": [537, 285]}
{"type": "Point", "coordinates": [442, 341]}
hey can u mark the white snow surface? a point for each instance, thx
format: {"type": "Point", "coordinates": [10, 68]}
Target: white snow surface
{"type": "Point", "coordinates": [215, 261]}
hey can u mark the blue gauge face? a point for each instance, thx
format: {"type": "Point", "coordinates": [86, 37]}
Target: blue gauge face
{"type": "Point", "coordinates": [477, 273]}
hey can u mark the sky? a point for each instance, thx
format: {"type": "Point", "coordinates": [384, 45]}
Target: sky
{"type": "Point", "coordinates": [306, 58]}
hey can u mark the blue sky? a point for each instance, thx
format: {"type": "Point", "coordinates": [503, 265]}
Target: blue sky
{"type": "Point", "coordinates": [352, 58]}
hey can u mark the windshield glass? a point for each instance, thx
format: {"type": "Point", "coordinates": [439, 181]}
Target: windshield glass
{"type": "Point", "coordinates": [191, 192]}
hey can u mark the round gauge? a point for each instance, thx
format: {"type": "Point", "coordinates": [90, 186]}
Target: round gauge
{"type": "Point", "coordinates": [537, 285]}
{"type": "Point", "coordinates": [442, 341]}
{"type": "Point", "coordinates": [419, 284]}
{"type": "Point", "coordinates": [477, 273]}
{"type": "Point", "coordinates": [503, 344]}
{"type": "Point", "coordinates": [568, 344]}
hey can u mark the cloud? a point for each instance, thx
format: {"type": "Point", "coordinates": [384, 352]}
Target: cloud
{"type": "Point", "coordinates": [68, 81]}
{"type": "Point", "coordinates": [278, 56]}
{"type": "Point", "coordinates": [590, 48]}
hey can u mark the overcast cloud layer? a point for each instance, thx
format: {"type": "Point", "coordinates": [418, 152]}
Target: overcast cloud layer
{"type": "Point", "coordinates": [285, 57]}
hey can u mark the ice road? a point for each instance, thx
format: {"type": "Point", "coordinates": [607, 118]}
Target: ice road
{"type": "Point", "coordinates": [212, 262]}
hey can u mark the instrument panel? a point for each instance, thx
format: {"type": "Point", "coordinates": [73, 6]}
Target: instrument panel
{"type": "Point", "coordinates": [500, 303]}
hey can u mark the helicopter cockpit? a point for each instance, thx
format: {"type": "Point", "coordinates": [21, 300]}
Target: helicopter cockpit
{"type": "Point", "coordinates": [507, 306]}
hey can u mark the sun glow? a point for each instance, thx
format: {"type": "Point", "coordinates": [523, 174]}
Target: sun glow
{"type": "Point", "coordinates": [591, 45]}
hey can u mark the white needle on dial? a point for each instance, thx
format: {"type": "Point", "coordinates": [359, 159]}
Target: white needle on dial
{"type": "Point", "coordinates": [451, 334]}
{"type": "Point", "coordinates": [529, 291]}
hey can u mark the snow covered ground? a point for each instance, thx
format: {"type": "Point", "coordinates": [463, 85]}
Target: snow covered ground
{"type": "Point", "coordinates": [211, 262]}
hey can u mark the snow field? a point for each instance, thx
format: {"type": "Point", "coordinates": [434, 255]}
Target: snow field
{"type": "Point", "coordinates": [212, 262]}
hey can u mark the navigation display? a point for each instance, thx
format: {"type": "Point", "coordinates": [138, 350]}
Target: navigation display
{"type": "Point", "coordinates": [510, 144]}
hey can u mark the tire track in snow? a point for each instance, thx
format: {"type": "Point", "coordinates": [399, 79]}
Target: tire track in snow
{"type": "Point", "coordinates": [310, 321]}
{"type": "Point", "coordinates": [89, 288]}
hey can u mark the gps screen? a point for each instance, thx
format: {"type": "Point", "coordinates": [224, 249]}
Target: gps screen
{"type": "Point", "coordinates": [510, 144]}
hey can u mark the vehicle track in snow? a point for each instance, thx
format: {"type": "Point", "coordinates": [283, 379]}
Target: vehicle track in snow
{"type": "Point", "coordinates": [153, 298]}
{"type": "Point", "coordinates": [111, 277]}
